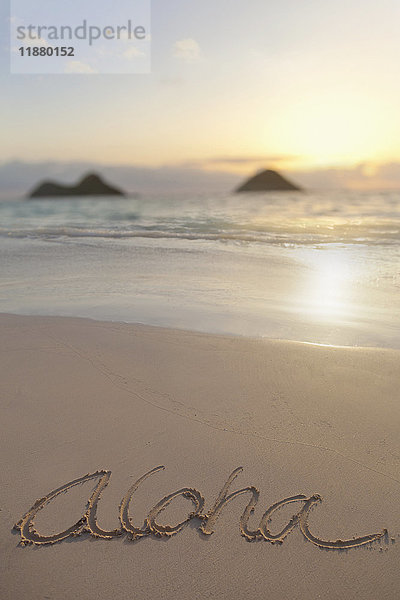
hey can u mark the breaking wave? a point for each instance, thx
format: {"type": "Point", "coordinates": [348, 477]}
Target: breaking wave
{"type": "Point", "coordinates": [289, 234]}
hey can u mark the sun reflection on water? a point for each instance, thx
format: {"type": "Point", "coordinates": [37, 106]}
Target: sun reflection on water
{"type": "Point", "coordinates": [329, 291]}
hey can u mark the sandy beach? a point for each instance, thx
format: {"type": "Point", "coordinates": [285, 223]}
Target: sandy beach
{"type": "Point", "coordinates": [314, 428]}
{"type": "Point", "coordinates": [200, 300]}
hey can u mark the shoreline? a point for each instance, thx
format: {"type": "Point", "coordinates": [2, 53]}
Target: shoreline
{"type": "Point", "coordinates": [199, 332]}
{"type": "Point", "coordinates": [180, 433]}
{"type": "Point", "coordinates": [326, 296]}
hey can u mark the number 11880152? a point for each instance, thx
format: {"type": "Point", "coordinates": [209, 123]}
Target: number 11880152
{"type": "Point", "coordinates": [47, 51]}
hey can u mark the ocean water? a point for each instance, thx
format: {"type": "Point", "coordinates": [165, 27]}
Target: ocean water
{"type": "Point", "coordinates": [315, 267]}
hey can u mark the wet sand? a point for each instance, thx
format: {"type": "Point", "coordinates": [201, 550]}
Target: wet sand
{"type": "Point", "coordinates": [153, 463]}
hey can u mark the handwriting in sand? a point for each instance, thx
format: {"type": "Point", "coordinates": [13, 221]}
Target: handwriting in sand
{"type": "Point", "coordinates": [88, 522]}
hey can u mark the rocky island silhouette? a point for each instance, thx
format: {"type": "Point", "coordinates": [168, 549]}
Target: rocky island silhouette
{"type": "Point", "coordinates": [267, 181]}
{"type": "Point", "coordinates": [90, 185]}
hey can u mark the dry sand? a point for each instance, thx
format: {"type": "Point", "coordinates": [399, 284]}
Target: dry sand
{"type": "Point", "coordinates": [303, 421]}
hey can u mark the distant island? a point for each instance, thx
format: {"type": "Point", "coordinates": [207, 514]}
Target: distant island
{"type": "Point", "coordinates": [91, 185]}
{"type": "Point", "coordinates": [267, 181]}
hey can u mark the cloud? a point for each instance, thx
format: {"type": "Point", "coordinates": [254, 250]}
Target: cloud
{"type": "Point", "coordinates": [18, 177]}
{"type": "Point", "coordinates": [114, 50]}
{"type": "Point", "coordinates": [389, 171]}
{"type": "Point", "coordinates": [132, 53]}
{"type": "Point", "coordinates": [243, 160]}
{"type": "Point", "coordinates": [364, 176]}
{"type": "Point", "coordinates": [77, 66]}
{"type": "Point", "coordinates": [243, 164]}
{"type": "Point", "coordinates": [187, 50]}
{"type": "Point", "coordinates": [36, 41]}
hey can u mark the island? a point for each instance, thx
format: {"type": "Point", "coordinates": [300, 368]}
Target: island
{"type": "Point", "coordinates": [267, 181]}
{"type": "Point", "coordinates": [90, 185]}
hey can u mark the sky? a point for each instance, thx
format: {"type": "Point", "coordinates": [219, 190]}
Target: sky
{"type": "Point", "coordinates": [306, 87]}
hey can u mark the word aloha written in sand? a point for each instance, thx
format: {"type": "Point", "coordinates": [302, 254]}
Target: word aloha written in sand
{"type": "Point", "coordinates": [88, 522]}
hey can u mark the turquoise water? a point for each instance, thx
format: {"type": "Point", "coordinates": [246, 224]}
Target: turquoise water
{"type": "Point", "coordinates": [280, 218]}
{"type": "Point", "coordinates": [321, 267]}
